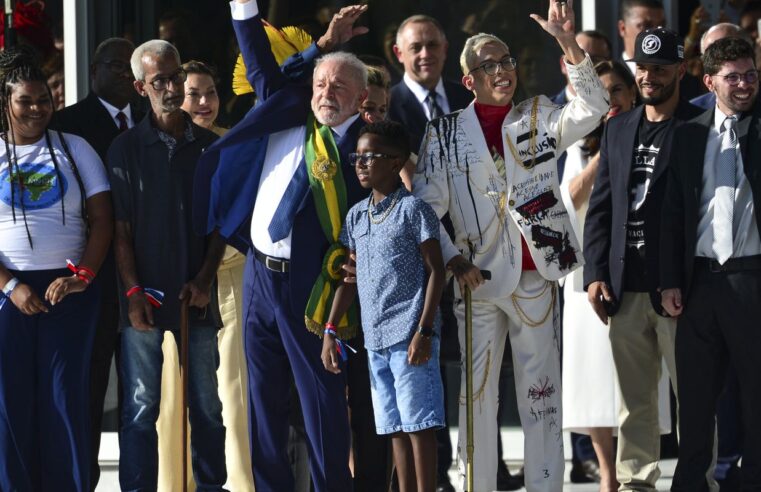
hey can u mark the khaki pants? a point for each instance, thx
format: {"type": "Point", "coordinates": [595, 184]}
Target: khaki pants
{"type": "Point", "coordinates": [640, 340]}
{"type": "Point", "coordinates": [534, 331]}
{"type": "Point", "coordinates": [233, 391]}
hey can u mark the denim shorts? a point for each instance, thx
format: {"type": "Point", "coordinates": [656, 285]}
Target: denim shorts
{"type": "Point", "coordinates": [406, 398]}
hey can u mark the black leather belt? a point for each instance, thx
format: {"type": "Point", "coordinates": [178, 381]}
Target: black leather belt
{"type": "Point", "coordinates": [279, 265]}
{"type": "Point", "coordinates": [731, 265]}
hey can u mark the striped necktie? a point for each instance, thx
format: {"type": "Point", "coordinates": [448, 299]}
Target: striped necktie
{"type": "Point", "coordinates": [724, 201]}
{"type": "Point", "coordinates": [434, 110]}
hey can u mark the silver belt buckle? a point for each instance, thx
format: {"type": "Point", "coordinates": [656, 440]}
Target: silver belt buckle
{"type": "Point", "coordinates": [267, 261]}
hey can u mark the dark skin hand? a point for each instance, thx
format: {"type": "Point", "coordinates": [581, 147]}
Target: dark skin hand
{"type": "Point", "coordinates": [597, 292]}
{"type": "Point", "coordinates": [419, 350]}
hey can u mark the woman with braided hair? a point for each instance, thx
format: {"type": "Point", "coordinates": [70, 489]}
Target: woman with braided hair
{"type": "Point", "coordinates": [55, 224]}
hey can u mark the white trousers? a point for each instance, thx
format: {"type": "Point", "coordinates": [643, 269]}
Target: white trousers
{"type": "Point", "coordinates": [531, 318]}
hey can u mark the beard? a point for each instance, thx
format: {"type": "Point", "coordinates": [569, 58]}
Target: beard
{"type": "Point", "coordinates": [333, 116]}
{"type": "Point", "coordinates": [666, 92]}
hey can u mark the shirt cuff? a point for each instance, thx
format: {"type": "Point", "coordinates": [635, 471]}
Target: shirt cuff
{"type": "Point", "coordinates": [244, 11]}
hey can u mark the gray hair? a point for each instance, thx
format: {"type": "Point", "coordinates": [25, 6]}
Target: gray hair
{"type": "Point", "coordinates": [469, 56]}
{"type": "Point", "coordinates": [418, 18]}
{"type": "Point", "coordinates": [157, 47]}
{"type": "Point", "coordinates": [357, 69]}
{"type": "Point", "coordinates": [109, 43]}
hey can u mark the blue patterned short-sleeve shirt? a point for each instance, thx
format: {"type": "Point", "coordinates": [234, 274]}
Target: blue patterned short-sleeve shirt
{"type": "Point", "coordinates": [391, 276]}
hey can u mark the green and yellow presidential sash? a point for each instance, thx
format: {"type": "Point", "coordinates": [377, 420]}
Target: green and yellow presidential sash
{"type": "Point", "coordinates": [329, 191]}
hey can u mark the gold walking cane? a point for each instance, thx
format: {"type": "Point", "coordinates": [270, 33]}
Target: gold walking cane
{"type": "Point", "coordinates": [184, 376]}
{"type": "Point", "coordinates": [469, 447]}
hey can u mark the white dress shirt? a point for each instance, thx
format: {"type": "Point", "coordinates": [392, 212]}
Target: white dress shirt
{"type": "Point", "coordinates": [285, 151]}
{"type": "Point", "coordinates": [244, 11]}
{"type": "Point", "coordinates": [746, 240]}
{"type": "Point", "coordinates": [113, 111]}
{"type": "Point", "coordinates": [421, 93]}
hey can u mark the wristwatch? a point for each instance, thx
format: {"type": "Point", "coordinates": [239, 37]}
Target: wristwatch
{"type": "Point", "coordinates": [425, 332]}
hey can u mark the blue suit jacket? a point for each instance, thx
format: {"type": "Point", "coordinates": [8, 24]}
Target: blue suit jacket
{"type": "Point", "coordinates": [228, 172]}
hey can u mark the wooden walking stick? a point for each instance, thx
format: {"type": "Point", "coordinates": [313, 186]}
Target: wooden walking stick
{"type": "Point", "coordinates": [469, 447]}
{"type": "Point", "coordinates": [184, 376]}
{"type": "Point", "coordinates": [469, 388]}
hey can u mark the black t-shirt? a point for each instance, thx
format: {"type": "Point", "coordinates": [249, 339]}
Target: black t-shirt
{"type": "Point", "coordinates": [650, 137]}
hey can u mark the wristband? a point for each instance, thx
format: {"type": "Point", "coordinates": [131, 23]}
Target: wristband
{"type": "Point", "coordinates": [9, 286]}
{"type": "Point", "coordinates": [81, 272]}
{"type": "Point", "coordinates": [83, 278]}
{"type": "Point", "coordinates": [425, 332]}
{"type": "Point", "coordinates": [341, 346]}
{"type": "Point", "coordinates": [134, 290]}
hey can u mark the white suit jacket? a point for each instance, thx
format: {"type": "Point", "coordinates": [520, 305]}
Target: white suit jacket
{"type": "Point", "coordinates": [457, 174]}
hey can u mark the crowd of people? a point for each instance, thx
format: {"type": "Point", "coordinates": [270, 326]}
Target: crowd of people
{"type": "Point", "coordinates": [321, 252]}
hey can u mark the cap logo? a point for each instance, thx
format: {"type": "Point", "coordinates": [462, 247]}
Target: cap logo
{"type": "Point", "coordinates": [651, 44]}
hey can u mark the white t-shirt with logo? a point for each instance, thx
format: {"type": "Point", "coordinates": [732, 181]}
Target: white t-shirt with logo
{"type": "Point", "coordinates": [53, 242]}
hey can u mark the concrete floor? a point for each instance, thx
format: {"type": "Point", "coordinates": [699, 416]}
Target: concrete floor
{"type": "Point", "coordinates": [512, 439]}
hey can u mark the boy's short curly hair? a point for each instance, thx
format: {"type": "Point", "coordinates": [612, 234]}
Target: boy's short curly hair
{"type": "Point", "coordinates": [393, 134]}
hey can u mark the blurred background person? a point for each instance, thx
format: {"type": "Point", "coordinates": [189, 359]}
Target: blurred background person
{"type": "Point", "coordinates": [590, 392]}
{"type": "Point", "coordinates": [53, 71]}
{"type": "Point", "coordinates": [375, 106]}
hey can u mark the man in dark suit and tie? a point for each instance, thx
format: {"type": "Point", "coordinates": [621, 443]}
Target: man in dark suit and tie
{"type": "Point", "coordinates": [277, 186]}
{"type": "Point", "coordinates": [100, 118]}
{"type": "Point", "coordinates": [423, 94]}
{"type": "Point", "coordinates": [621, 249]}
{"type": "Point", "coordinates": [711, 262]}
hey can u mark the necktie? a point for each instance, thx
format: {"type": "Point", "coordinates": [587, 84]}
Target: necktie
{"type": "Point", "coordinates": [434, 110]}
{"type": "Point", "coordinates": [282, 221]}
{"type": "Point", "coordinates": [122, 121]}
{"type": "Point", "coordinates": [724, 201]}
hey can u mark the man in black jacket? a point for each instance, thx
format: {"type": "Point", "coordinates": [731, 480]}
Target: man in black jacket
{"type": "Point", "coordinates": [711, 262]}
{"type": "Point", "coordinates": [99, 119]}
{"type": "Point", "coordinates": [621, 249]}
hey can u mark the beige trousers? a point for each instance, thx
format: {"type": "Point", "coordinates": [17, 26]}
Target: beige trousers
{"type": "Point", "coordinates": [233, 391]}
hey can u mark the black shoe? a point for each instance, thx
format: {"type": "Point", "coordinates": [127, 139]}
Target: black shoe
{"type": "Point", "coordinates": [586, 471]}
{"type": "Point", "coordinates": [731, 481]}
{"type": "Point", "coordinates": [506, 481]}
{"type": "Point", "coordinates": [444, 485]}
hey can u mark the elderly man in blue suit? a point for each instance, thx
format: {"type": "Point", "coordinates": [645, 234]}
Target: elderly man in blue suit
{"type": "Point", "coordinates": [277, 187]}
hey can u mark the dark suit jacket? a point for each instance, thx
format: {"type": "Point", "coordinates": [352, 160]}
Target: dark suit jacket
{"type": "Point", "coordinates": [679, 224]}
{"type": "Point", "coordinates": [404, 108]}
{"type": "Point", "coordinates": [228, 173]}
{"type": "Point", "coordinates": [606, 222]}
{"type": "Point", "coordinates": [90, 120]}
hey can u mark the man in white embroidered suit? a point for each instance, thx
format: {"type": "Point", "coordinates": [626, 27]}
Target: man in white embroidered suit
{"type": "Point", "coordinates": [492, 167]}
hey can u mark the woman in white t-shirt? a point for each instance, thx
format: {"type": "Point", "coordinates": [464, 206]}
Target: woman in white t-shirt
{"type": "Point", "coordinates": [55, 208]}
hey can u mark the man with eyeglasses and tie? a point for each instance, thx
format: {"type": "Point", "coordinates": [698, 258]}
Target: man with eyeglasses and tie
{"type": "Point", "coordinates": [99, 118]}
{"type": "Point", "coordinates": [711, 262]}
{"type": "Point", "coordinates": [161, 258]}
{"type": "Point", "coordinates": [492, 167]}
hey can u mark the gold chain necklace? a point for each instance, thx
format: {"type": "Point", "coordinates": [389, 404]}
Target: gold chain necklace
{"type": "Point", "coordinates": [385, 213]}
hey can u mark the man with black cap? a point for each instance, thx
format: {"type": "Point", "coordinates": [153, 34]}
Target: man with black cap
{"type": "Point", "coordinates": [621, 249]}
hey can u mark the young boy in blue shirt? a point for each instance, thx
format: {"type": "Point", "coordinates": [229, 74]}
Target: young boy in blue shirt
{"type": "Point", "coordinates": [399, 277]}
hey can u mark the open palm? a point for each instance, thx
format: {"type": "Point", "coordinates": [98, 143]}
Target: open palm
{"type": "Point", "coordinates": [560, 20]}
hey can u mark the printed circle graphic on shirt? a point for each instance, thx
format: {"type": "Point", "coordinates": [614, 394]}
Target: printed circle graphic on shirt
{"type": "Point", "coordinates": [651, 44]}
{"type": "Point", "coordinates": [38, 186]}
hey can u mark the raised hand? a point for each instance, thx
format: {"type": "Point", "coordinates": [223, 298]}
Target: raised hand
{"type": "Point", "coordinates": [560, 20]}
{"type": "Point", "coordinates": [341, 28]}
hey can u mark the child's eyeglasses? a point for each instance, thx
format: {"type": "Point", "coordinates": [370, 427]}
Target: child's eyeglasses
{"type": "Point", "coordinates": [368, 158]}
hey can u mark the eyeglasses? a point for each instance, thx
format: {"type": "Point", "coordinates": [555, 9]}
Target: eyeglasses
{"type": "Point", "coordinates": [734, 78]}
{"type": "Point", "coordinates": [115, 66]}
{"type": "Point", "coordinates": [177, 78]}
{"type": "Point", "coordinates": [506, 64]}
{"type": "Point", "coordinates": [368, 158]}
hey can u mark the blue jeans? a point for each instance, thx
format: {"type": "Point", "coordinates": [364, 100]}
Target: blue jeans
{"type": "Point", "coordinates": [140, 373]}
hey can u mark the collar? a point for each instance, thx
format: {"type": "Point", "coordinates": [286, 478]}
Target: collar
{"type": "Point", "coordinates": [341, 129]}
{"type": "Point", "coordinates": [400, 192]}
{"type": "Point", "coordinates": [421, 92]}
{"type": "Point", "coordinates": [719, 117]}
{"type": "Point", "coordinates": [149, 133]}
{"type": "Point", "coordinates": [113, 111]}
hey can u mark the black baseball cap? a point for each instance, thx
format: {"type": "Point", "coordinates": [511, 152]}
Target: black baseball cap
{"type": "Point", "coordinates": [659, 46]}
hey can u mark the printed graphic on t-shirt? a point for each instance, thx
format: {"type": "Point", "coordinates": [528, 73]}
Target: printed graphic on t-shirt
{"type": "Point", "coordinates": [36, 184]}
{"type": "Point", "coordinates": [643, 164]}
